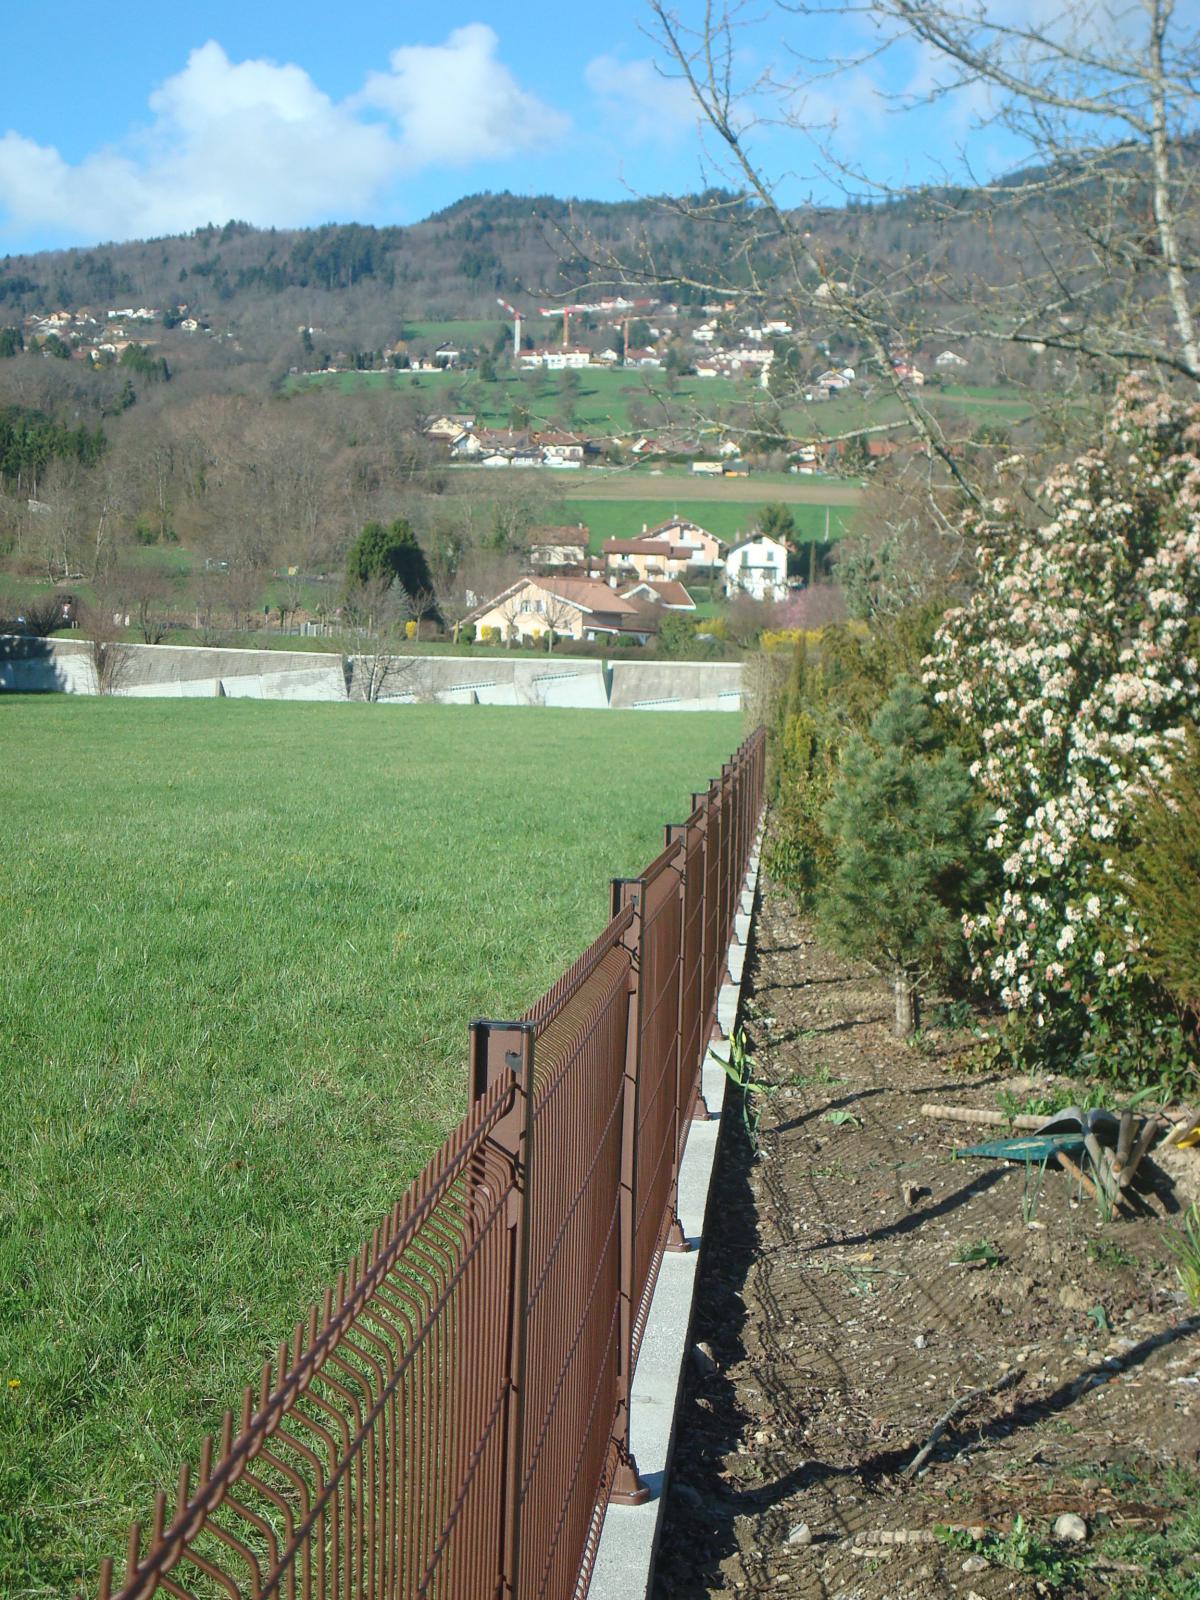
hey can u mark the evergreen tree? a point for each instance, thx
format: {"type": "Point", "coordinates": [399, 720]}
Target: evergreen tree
{"type": "Point", "coordinates": [907, 837]}
{"type": "Point", "coordinates": [776, 521]}
{"type": "Point", "coordinates": [390, 552]}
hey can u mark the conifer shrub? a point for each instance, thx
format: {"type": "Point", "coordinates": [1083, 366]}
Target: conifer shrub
{"type": "Point", "coordinates": [1163, 882]}
{"type": "Point", "coordinates": [906, 836]}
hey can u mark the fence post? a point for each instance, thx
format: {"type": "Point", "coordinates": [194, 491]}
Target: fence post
{"type": "Point", "coordinates": [505, 1050]}
{"type": "Point", "coordinates": [700, 1109]}
{"type": "Point", "coordinates": [628, 1488]}
{"type": "Point", "coordinates": [677, 1240]}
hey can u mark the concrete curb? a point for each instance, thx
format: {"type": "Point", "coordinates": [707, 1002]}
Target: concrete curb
{"type": "Point", "coordinates": [624, 1568]}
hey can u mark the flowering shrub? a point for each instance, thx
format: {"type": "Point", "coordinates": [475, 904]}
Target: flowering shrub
{"type": "Point", "coordinates": [1072, 669]}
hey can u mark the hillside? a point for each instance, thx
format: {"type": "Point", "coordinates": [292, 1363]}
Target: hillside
{"type": "Point", "coordinates": [364, 286]}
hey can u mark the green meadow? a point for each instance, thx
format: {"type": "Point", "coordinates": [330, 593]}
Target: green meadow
{"type": "Point", "coordinates": [243, 942]}
{"type": "Point", "coordinates": [624, 519]}
{"type": "Point", "coordinates": [602, 400]}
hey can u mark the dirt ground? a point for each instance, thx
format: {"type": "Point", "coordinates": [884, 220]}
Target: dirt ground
{"type": "Point", "coordinates": [837, 1321]}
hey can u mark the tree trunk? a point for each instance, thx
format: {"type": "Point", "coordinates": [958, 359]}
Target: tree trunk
{"type": "Point", "coordinates": [907, 1005]}
{"type": "Point", "coordinates": [1165, 209]}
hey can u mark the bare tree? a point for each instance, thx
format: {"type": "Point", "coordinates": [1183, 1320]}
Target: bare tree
{"type": "Point", "coordinates": [378, 610]}
{"type": "Point", "coordinates": [110, 656]}
{"type": "Point", "coordinates": [1091, 256]}
{"type": "Point", "coordinates": [1104, 99]}
{"type": "Point", "coordinates": [1101, 100]}
{"type": "Point", "coordinates": [559, 616]}
{"type": "Point", "coordinates": [146, 593]}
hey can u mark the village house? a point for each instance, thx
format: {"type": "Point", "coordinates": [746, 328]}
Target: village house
{"type": "Point", "coordinates": [757, 567]}
{"type": "Point", "coordinates": [645, 558]}
{"type": "Point", "coordinates": [467, 447]}
{"type": "Point", "coordinates": [833, 379]}
{"type": "Point", "coordinates": [560, 449]}
{"type": "Point", "coordinates": [573, 608]}
{"type": "Point", "coordinates": [557, 357]}
{"type": "Point", "coordinates": [559, 547]}
{"type": "Point", "coordinates": [949, 358]}
{"type": "Point", "coordinates": [449, 427]}
{"type": "Point", "coordinates": [705, 548]}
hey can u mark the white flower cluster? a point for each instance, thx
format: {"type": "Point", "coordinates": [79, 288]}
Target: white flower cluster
{"type": "Point", "coordinates": [1071, 666]}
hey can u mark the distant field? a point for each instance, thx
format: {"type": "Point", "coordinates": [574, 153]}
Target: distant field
{"type": "Point", "coordinates": [604, 399]}
{"type": "Point", "coordinates": [728, 519]}
{"type": "Point", "coordinates": [677, 483]}
{"type": "Point", "coordinates": [474, 331]}
{"type": "Point", "coordinates": [242, 945]}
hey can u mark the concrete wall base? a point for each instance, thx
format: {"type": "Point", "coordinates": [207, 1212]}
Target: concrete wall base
{"type": "Point", "coordinates": [624, 1567]}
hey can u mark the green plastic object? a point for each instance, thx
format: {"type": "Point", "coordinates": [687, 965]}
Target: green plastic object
{"type": "Point", "coordinates": [1035, 1147]}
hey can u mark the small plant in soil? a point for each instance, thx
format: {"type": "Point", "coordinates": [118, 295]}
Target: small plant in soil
{"type": "Point", "coordinates": [841, 1119]}
{"type": "Point", "coordinates": [739, 1069]}
{"type": "Point", "coordinates": [818, 1078]}
{"type": "Point", "coordinates": [982, 1251]}
{"type": "Point", "coordinates": [1022, 1549]}
{"type": "Point", "coordinates": [1166, 1559]}
{"type": "Point", "coordinates": [1184, 1244]}
{"type": "Point", "coordinates": [1105, 1253]}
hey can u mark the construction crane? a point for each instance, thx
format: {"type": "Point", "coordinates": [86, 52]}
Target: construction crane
{"type": "Point", "coordinates": [516, 316]}
{"type": "Point", "coordinates": [611, 307]}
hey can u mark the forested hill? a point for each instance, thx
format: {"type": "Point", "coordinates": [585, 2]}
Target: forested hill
{"type": "Point", "coordinates": [454, 264]}
{"type": "Point", "coordinates": [361, 283]}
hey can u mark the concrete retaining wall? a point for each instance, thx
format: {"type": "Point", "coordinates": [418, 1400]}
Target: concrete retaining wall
{"type": "Point", "coordinates": [64, 666]}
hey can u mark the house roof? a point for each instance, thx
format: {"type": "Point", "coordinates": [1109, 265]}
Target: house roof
{"type": "Point", "coordinates": [587, 594]}
{"type": "Point", "coordinates": [754, 538]}
{"type": "Point", "coordinates": [647, 547]}
{"type": "Point", "coordinates": [684, 524]}
{"type": "Point", "coordinates": [571, 533]}
{"type": "Point", "coordinates": [661, 591]}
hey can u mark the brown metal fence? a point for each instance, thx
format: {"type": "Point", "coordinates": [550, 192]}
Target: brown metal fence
{"type": "Point", "coordinates": [454, 1418]}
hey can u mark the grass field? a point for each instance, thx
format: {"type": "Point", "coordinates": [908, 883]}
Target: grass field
{"type": "Point", "coordinates": [242, 945]}
{"type": "Point", "coordinates": [601, 402]}
{"type": "Point", "coordinates": [604, 398]}
{"type": "Point", "coordinates": [677, 483]}
{"type": "Point", "coordinates": [623, 519]}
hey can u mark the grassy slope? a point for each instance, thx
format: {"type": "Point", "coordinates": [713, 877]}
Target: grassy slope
{"type": "Point", "coordinates": [603, 399]}
{"type": "Point", "coordinates": [623, 519]}
{"type": "Point", "coordinates": [243, 943]}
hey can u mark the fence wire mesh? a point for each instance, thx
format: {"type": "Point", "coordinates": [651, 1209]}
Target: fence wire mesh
{"type": "Point", "coordinates": [453, 1418]}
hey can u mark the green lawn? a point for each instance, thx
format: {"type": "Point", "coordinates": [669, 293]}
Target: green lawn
{"type": "Point", "coordinates": [624, 519]}
{"type": "Point", "coordinates": [602, 401]}
{"type": "Point", "coordinates": [242, 945]}
{"type": "Point", "coordinates": [475, 330]}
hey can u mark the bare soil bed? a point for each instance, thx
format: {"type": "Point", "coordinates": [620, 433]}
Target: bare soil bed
{"type": "Point", "coordinates": [840, 1315]}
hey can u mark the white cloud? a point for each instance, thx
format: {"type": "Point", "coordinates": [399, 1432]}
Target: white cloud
{"type": "Point", "coordinates": [455, 103]}
{"type": "Point", "coordinates": [260, 141]}
{"type": "Point", "coordinates": [636, 95]}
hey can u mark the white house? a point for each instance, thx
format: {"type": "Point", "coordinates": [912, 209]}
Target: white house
{"type": "Point", "coordinates": [757, 567]}
{"type": "Point", "coordinates": [949, 358]}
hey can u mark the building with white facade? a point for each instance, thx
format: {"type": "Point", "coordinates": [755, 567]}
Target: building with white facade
{"type": "Point", "coordinates": [757, 567]}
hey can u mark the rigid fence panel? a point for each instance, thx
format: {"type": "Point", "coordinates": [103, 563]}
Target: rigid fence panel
{"type": "Point", "coordinates": [571, 1050]}
{"type": "Point", "coordinates": [693, 1006]}
{"type": "Point", "coordinates": [453, 1419]}
{"type": "Point", "coordinates": [654, 1064]}
{"type": "Point", "coordinates": [370, 1460]}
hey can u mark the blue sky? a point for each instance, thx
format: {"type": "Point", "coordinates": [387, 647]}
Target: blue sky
{"type": "Point", "coordinates": [159, 119]}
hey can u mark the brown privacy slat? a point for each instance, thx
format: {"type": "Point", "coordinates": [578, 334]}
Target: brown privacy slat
{"type": "Point", "coordinates": [452, 1419]}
